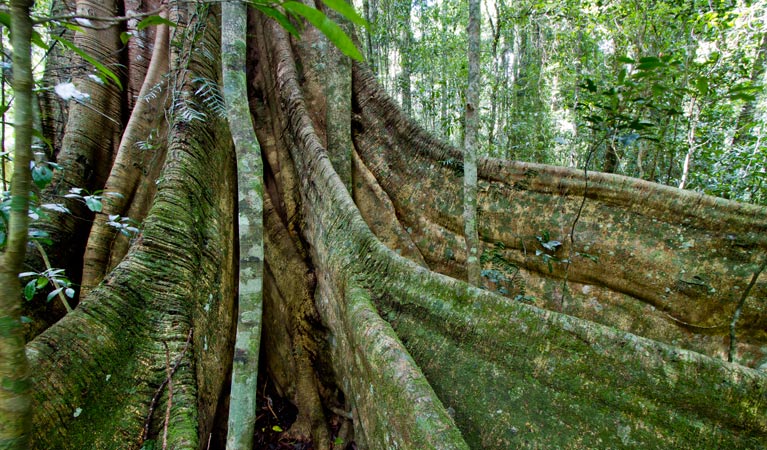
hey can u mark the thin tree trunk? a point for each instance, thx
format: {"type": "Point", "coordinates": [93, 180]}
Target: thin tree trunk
{"type": "Point", "coordinates": [406, 43]}
{"type": "Point", "coordinates": [250, 187]}
{"type": "Point", "coordinates": [15, 388]}
{"type": "Point", "coordinates": [691, 145]}
{"type": "Point", "coordinates": [747, 112]}
{"type": "Point", "coordinates": [470, 145]}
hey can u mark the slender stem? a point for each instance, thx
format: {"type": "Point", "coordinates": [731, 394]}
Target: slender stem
{"type": "Point", "coordinates": [736, 315]}
{"type": "Point", "coordinates": [56, 284]}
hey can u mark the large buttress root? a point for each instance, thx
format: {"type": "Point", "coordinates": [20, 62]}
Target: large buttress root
{"type": "Point", "coordinates": [97, 370]}
{"type": "Point", "coordinates": [537, 376]}
{"type": "Point", "coordinates": [134, 170]}
{"type": "Point", "coordinates": [656, 261]}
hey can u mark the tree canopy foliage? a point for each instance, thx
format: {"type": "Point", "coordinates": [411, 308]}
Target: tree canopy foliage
{"type": "Point", "coordinates": [669, 91]}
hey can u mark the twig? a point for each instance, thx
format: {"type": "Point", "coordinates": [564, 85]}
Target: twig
{"type": "Point", "coordinates": [575, 222]}
{"type": "Point", "coordinates": [156, 398]}
{"type": "Point", "coordinates": [110, 20]}
{"type": "Point", "coordinates": [340, 412]}
{"type": "Point", "coordinates": [269, 405]}
{"type": "Point", "coordinates": [742, 301]}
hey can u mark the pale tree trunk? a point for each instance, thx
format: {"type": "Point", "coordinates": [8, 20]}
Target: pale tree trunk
{"type": "Point", "coordinates": [15, 411]}
{"type": "Point", "coordinates": [470, 144]}
{"type": "Point", "coordinates": [497, 77]}
{"type": "Point", "coordinates": [360, 328]}
{"type": "Point", "coordinates": [746, 115]}
{"type": "Point", "coordinates": [691, 145]}
{"type": "Point", "coordinates": [406, 42]}
{"type": "Point", "coordinates": [250, 188]}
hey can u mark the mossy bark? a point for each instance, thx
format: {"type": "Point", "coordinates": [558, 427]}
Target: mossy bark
{"type": "Point", "coordinates": [15, 388]}
{"type": "Point", "coordinates": [140, 152]}
{"type": "Point", "coordinates": [546, 378]}
{"type": "Point", "coordinates": [364, 327]}
{"type": "Point", "coordinates": [250, 188]}
{"type": "Point", "coordinates": [98, 369]}
{"type": "Point", "coordinates": [652, 260]}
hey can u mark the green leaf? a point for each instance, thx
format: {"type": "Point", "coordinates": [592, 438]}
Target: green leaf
{"type": "Point", "coordinates": [626, 59]}
{"type": "Point", "coordinates": [29, 289]}
{"type": "Point", "coordinates": [649, 65]}
{"type": "Point", "coordinates": [747, 86]}
{"type": "Point", "coordinates": [69, 292]}
{"type": "Point", "coordinates": [38, 134]}
{"type": "Point", "coordinates": [125, 37]}
{"type": "Point", "coordinates": [279, 17]}
{"type": "Point", "coordinates": [41, 282]}
{"type": "Point", "coordinates": [701, 85]}
{"type": "Point", "coordinates": [42, 175]}
{"type": "Point", "coordinates": [37, 39]}
{"type": "Point", "coordinates": [101, 68]}
{"type": "Point", "coordinates": [743, 96]}
{"type": "Point", "coordinates": [277, 428]}
{"type": "Point", "coordinates": [590, 86]}
{"type": "Point", "coordinates": [154, 20]}
{"type": "Point", "coordinates": [622, 76]}
{"type": "Point", "coordinates": [329, 28]}
{"type": "Point", "coordinates": [53, 293]}
{"type": "Point", "coordinates": [93, 203]}
{"type": "Point", "coordinates": [347, 11]}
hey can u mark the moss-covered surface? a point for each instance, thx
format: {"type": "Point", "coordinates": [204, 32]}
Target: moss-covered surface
{"type": "Point", "coordinates": [99, 368]}
{"type": "Point", "coordinates": [518, 376]}
{"type": "Point", "coordinates": [422, 360]}
{"type": "Point", "coordinates": [683, 257]}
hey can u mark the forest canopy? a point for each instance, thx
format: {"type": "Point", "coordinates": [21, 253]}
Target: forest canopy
{"type": "Point", "coordinates": [666, 91]}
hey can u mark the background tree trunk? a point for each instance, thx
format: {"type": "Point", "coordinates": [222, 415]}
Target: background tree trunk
{"type": "Point", "coordinates": [470, 145]}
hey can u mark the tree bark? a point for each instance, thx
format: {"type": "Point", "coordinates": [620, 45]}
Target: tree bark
{"type": "Point", "coordinates": [15, 404]}
{"type": "Point", "coordinates": [137, 158]}
{"type": "Point", "coordinates": [470, 144]}
{"type": "Point", "coordinates": [380, 330]}
{"type": "Point", "coordinates": [250, 189]}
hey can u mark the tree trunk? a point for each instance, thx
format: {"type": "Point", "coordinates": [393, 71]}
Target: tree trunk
{"type": "Point", "coordinates": [365, 321]}
{"type": "Point", "coordinates": [470, 144]}
{"type": "Point", "coordinates": [15, 404]}
{"type": "Point", "coordinates": [405, 49]}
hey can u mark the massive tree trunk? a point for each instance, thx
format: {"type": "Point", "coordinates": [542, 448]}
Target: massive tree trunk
{"type": "Point", "coordinates": [619, 295]}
